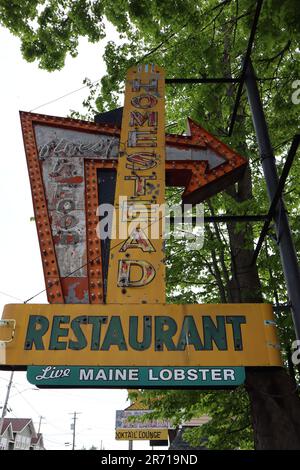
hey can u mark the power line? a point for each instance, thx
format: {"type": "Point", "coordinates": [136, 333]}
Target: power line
{"type": "Point", "coordinates": [52, 442]}
{"type": "Point", "coordinates": [11, 296]}
{"type": "Point", "coordinates": [85, 264]}
{"type": "Point", "coordinates": [52, 425]}
{"type": "Point", "coordinates": [209, 219]}
{"type": "Point", "coordinates": [64, 96]}
{"type": "Point", "coordinates": [29, 404]}
{"type": "Point", "coordinates": [70, 274]}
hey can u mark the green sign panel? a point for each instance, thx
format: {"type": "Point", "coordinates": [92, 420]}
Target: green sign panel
{"type": "Point", "coordinates": [135, 377]}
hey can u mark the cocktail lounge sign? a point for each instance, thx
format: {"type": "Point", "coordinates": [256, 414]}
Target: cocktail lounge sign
{"type": "Point", "coordinates": [107, 324]}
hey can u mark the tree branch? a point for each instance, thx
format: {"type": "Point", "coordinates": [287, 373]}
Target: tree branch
{"type": "Point", "coordinates": [279, 54]}
{"type": "Point", "coordinates": [222, 251]}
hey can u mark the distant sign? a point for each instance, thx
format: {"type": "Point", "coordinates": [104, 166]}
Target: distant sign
{"type": "Point", "coordinates": [137, 429]}
{"type": "Point", "coordinates": [128, 419]}
{"type": "Point", "coordinates": [141, 434]}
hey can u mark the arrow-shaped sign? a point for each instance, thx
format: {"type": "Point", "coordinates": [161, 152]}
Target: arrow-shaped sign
{"type": "Point", "coordinates": [67, 160]}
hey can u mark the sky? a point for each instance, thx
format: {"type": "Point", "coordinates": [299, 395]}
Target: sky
{"type": "Point", "coordinates": [24, 87]}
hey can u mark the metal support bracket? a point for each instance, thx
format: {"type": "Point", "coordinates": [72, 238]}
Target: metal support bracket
{"type": "Point", "coordinates": [7, 328]}
{"type": "Point", "coordinates": [273, 345]}
{"type": "Point", "coordinates": [277, 196]}
{"type": "Point", "coordinates": [270, 323]}
{"type": "Point", "coordinates": [5, 325]}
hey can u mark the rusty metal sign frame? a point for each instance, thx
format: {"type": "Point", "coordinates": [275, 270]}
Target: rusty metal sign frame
{"type": "Point", "coordinates": [199, 181]}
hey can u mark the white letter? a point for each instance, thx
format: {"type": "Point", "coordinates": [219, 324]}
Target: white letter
{"type": "Point", "coordinates": [216, 374]}
{"type": "Point", "coordinates": [83, 375]}
{"type": "Point", "coordinates": [192, 374]}
{"type": "Point", "coordinates": [179, 374]}
{"type": "Point", "coordinates": [168, 374]}
{"type": "Point", "coordinates": [151, 377]}
{"type": "Point", "coordinates": [296, 353]}
{"type": "Point", "coordinates": [228, 374]}
{"type": "Point", "coordinates": [296, 94]}
{"type": "Point", "coordinates": [203, 372]}
{"type": "Point", "coordinates": [106, 227]}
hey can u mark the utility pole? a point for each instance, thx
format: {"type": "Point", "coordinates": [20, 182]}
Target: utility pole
{"type": "Point", "coordinates": [73, 427]}
{"type": "Point", "coordinates": [284, 237]}
{"type": "Point", "coordinates": [40, 422]}
{"type": "Point", "coordinates": [4, 410]}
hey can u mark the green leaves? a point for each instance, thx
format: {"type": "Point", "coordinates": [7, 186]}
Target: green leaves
{"type": "Point", "coordinates": [50, 29]}
{"type": "Point", "coordinates": [196, 39]}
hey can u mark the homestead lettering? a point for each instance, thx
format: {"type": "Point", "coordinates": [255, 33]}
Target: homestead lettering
{"type": "Point", "coordinates": [139, 118]}
{"type": "Point", "coordinates": [159, 333]}
{"type": "Point", "coordinates": [136, 272]}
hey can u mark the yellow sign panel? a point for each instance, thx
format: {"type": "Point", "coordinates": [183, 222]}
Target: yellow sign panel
{"type": "Point", "coordinates": [140, 335]}
{"type": "Point", "coordinates": [141, 434]}
{"type": "Point", "coordinates": [136, 268]}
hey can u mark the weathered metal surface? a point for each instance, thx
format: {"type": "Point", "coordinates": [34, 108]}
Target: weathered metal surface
{"type": "Point", "coordinates": [48, 254]}
{"type": "Point", "coordinates": [94, 266]}
{"type": "Point", "coordinates": [66, 197]}
{"type": "Point", "coordinates": [136, 271]}
{"type": "Point", "coordinates": [106, 179]}
{"type": "Point", "coordinates": [216, 177]}
{"type": "Point", "coordinates": [56, 150]}
{"type": "Point", "coordinates": [65, 192]}
{"type": "Point", "coordinates": [195, 155]}
{"type": "Point", "coordinates": [63, 143]}
{"type": "Point", "coordinates": [146, 335]}
{"type": "Point", "coordinates": [75, 290]}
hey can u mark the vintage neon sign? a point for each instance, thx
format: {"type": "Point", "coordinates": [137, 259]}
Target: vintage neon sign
{"type": "Point", "coordinates": [60, 151]}
{"type": "Point", "coordinates": [72, 167]}
{"type": "Point", "coordinates": [136, 269]}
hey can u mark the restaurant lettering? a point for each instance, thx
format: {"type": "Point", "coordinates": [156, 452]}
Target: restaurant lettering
{"type": "Point", "coordinates": [155, 333]}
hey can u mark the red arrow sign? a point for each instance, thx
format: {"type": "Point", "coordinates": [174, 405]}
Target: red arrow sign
{"type": "Point", "coordinates": [212, 165]}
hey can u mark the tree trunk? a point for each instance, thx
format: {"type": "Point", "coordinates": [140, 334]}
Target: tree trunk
{"type": "Point", "coordinates": [275, 408]}
{"type": "Point", "coordinates": [274, 399]}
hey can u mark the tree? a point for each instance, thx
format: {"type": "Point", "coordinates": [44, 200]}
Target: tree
{"type": "Point", "coordinates": [204, 39]}
{"type": "Point", "coordinates": [91, 448]}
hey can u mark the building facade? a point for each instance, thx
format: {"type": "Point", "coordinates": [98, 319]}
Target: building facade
{"type": "Point", "coordinates": [19, 434]}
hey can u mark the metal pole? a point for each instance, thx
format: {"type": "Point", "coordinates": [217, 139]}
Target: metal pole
{"type": "Point", "coordinates": [40, 422]}
{"type": "Point", "coordinates": [284, 238]}
{"type": "Point", "coordinates": [130, 445]}
{"type": "Point", "coordinates": [4, 410]}
{"type": "Point", "coordinates": [74, 427]}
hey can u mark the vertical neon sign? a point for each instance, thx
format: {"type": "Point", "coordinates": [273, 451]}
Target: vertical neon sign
{"type": "Point", "coordinates": [136, 268]}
